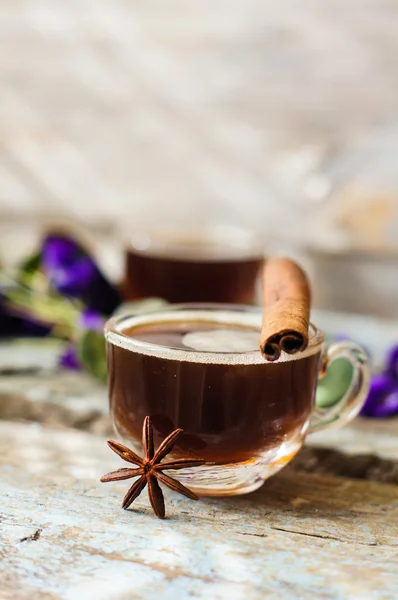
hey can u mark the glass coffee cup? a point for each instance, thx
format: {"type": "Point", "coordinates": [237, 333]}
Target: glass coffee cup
{"type": "Point", "coordinates": [198, 367]}
{"type": "Point", "coordinates": [212, 264]}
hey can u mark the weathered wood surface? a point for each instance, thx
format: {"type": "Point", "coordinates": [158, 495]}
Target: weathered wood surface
{"type": "Point", "coordinates": [57, 398]}
{"type": "Point", "coordinates": [326, 527]}
{"type": "Point", "coordinates": [63, 534]}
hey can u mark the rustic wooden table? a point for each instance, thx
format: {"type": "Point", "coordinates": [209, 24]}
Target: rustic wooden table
{"type": "Point", "coordinates": [114, 109]}
{"type": "Point", "coordinates": [326, 527]}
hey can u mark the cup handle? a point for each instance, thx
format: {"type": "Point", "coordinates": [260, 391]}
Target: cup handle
{"type": "Point", "coordinates": [342, 388]}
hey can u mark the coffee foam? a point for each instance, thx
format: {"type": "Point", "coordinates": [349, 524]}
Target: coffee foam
{"type": "Point", "coordinates": [250, 322]}
{"type": "Point", "coordinates": [221, 340]}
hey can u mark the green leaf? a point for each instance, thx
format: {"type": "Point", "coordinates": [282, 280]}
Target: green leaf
{"type": "Point", "coordinates": [29, 268]}
{"type": "Point", "coordinates": [332, 387]}
{"type": "Point", "coordinates": [92, 353]}
{"type": "Point", "coordinates": [91, 344]}
{"type": "Point", "coordinates": [52, 309]}
{"type": "Point", "coordinates": [30, 264]}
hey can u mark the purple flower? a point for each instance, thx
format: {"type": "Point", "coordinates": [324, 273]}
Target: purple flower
{"type": "Point", "coordinates": [70, 359]}
{"type": "Point", "coordinates": [382, 400]}
{"type": "Point", "coordinates": [90, 319]}
{"type": "Point", "coordinates": [73, 273]}
{"type": "Point", "coordinates": [392, 362]}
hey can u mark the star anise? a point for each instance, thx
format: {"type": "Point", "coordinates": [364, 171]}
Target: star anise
{"type": "Point", "coordinates": [150, 469]}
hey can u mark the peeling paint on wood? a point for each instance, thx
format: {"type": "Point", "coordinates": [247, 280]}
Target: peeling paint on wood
{"type": "Point", "coordinates": [306, 534]}
{"type": "Point", "coordinates": [300, 536]}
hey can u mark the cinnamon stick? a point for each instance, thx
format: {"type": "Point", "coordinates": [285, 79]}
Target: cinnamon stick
{"type": "Point", "coordinates": [286, 308]}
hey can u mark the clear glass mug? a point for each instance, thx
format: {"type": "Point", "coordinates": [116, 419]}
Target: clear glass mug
{"type": "Point", "coordinates": [210, 264]}
{"type": "Point", "coordinates": [245, 416]}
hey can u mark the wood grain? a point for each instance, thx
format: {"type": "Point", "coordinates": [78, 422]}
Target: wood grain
{"type": "Point", "coordinates": [301, 535]}
{"type": "Point", "coordinates": [325, 527]}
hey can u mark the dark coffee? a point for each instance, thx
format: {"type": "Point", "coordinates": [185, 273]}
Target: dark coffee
{"type": "Point", "coordinates": [192, 273]}
{"type": "Point", "coordinates": [229, 412]}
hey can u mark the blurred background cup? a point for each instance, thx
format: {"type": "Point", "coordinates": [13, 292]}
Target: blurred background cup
{"type": "Point", "coordinates": [277, 116]}
{"type": "Point", "coordinates": [185, 264]}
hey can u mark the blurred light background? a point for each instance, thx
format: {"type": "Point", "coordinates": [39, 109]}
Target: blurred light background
{"type": "Point", "coordinates": [280, 116]}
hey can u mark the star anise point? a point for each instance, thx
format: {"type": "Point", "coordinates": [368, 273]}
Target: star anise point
{"type": "Point", "coordinates": [150, 469]}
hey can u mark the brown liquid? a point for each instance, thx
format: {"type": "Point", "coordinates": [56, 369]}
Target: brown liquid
{"type": "Point", "coordinates": [191, 278]}
{"type": "Point", "coordinates": [228, 412]}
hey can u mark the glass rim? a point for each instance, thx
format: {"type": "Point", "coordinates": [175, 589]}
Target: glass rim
{"type": "Point", "coordinates": [228, 314]}
{"type": "Point", "coordinates": [236, 241]}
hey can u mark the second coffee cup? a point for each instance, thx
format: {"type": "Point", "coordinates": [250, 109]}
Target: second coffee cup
{"type": "Point", "coordinates": [217, 264]}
